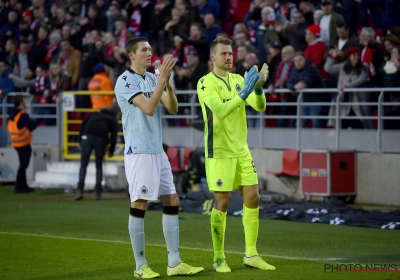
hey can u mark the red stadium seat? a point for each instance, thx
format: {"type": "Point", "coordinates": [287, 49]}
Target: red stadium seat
{"type": "Point", "coordinates": [173, 156]}
{"type": "Point", "coordinates": [289, 174]}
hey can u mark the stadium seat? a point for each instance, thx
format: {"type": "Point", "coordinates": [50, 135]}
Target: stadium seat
{"type": "Point", "coordinates": [173, 156]}
{"type": "Point", "coordinates": [289, 174]}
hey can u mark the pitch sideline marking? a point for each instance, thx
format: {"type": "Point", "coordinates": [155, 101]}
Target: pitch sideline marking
{"type": "Point", "coordinates": [161, 245]}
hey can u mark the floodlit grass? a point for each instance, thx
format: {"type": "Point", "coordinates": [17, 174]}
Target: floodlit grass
{"type": "Point", "coordinates": [45, 235]}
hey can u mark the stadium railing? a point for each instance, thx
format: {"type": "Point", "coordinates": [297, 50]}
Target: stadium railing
{"type": "Point", "coordinates": [69, 118]}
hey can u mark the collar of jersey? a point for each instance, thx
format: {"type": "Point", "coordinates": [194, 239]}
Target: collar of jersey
{"type": "Point", "coordinates": [227, 84]}
{"type": "Point", "coordinates": [133, 72]}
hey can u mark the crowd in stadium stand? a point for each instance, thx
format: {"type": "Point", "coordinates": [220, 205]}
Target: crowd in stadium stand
{"type": "Point", "coordinates": [51, 46]}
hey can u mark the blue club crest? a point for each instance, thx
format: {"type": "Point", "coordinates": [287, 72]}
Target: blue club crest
{"type": "Point", "coordinates": [238, 88]}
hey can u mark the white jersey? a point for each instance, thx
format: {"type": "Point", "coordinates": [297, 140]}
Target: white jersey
{"type": "Point", "coordinates": [142, 133]}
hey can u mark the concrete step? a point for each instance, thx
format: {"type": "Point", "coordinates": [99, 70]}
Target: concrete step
{"type": "Point", "coordinates": [63, 180]}
{"type": "Point", "coordinates": [109, 168]}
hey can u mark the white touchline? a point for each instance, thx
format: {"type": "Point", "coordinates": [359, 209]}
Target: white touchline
{"type": "Point", "coordinates": [180, 247]}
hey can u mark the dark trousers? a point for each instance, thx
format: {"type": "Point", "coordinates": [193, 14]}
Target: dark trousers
{"type": "Point", "coordinates": [87, 145]}
{"type": "Point", "coordinates": [24, 156]}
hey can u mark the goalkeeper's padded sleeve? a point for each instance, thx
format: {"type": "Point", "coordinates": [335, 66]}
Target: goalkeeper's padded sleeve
{"type": "Point", "coordinates": [222, 110]}
{"type": "Point", "coordinates": [258, 102]}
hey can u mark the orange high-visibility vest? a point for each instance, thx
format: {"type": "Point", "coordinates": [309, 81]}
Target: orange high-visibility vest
{"type": "Point", "coordinates": [19, 137]}
{"type": "Point", "coordinates": [101, 82]}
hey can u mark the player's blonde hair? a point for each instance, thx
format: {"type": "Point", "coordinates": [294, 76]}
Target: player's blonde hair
{"type": "Point", "coordinates": [217, 41]}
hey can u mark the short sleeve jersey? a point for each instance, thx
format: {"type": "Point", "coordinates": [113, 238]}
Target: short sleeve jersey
{"type": "Point", "coordinates": [223, 138]}
{"type": "Point", "coordinates": [142, 133]}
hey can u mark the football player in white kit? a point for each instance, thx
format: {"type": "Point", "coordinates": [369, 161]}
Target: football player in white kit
{"type": "Point", "coordinates": [147, 168]}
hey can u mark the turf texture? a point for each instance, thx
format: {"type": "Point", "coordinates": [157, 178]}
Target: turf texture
{"type": "Point", "coordinates": [45, 235]}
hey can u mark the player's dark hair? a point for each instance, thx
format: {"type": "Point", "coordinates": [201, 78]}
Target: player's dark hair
{"type": "Point", "coordinates": [18, 100]}
{"type": "Point", "coordinates": [132, 44]}
{"type": "Point", "coordinates": [217, 41]}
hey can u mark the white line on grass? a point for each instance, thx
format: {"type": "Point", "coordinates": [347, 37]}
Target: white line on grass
{"type": "Point", "coordinates": [181, 247]}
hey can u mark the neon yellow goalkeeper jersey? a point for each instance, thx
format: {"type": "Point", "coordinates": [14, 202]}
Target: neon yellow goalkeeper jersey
{"type": "Point", "coordinates": [224, 115]}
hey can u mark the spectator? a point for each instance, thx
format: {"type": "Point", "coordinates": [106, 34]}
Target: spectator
{"type": "Point", "coordinates": [89, 59]}
{"type": "Point", "coordinates": [40, 47]}
{"type": "Point", "coordinates": [304, 75]}
{"type": "Point", "coordinates": [276, 32]}
{"type": "Point", "coordinates": [296, 32]}
{"type": "Point", "coordinates": [70, 59]}
{"type": "Point", "coordinates": [100, 82]}
{"type": "Point", "coordinates": [317, 16]}
{"type": "Point", "coordinates": [287, 9]}
{"type": "Point", "coordinates": [180, 22]}
{"type": "Point", "coordinates": [140, 22]}
{"type": "Point", "coordinates": [113, 13]}
{"type": "Point", "coordinates": [111, 55]}
{"type": "Point", "coordinates": [391, 79]}
{"type": "Point", "coordinates": [328, 22]}
{"type": "Point", "coordinates": [20, 127]}
{"type": "Point", "coordinates": [197, 40]}
{"type": "Point", "coordinates": [388, 44]}
{"type": "Point", "coordinates": [41, 91]}
{"type": "Point", "coordinates": [122, 33]}
{"type": "Point", "coordinates": [278, 80]}
{"type": "Point", "coordinates": [261, 27]}
{"type": "Point", "coordinates": [371, 56]}
{"type": "Point", "coordinates": [309, 13]}
{"type": "Point", "coordinates": [6, 84]}
{"type": "Point", "coordinates": [23, 58]}
{"type": "Point", "coordinates": [54, 49]}
{"type": "Point", "coordinates": [352, 74]}
{"type": "Point", "coordinates": [207, 7]}
{"type": "Point", "coordinates": [187, 77]}
{"type": "Point", "coordinates": [242, 40]}
{"type": "Point", "coordinates": [343, 43]}
{"type": "Point", "coordinates": [10, 29]}
{"type": "Point", "coordinates": [316, 48]}
{"type": "Point", "coordinates": [69, 33]}
{"type": "Point", "coordinates": [11, 50]}
{"type": "Point", "coordinates": [240, 57]}
{"type": "Point", "coordinates": [94, 20]}
{"type": "Point", "coordinates": [26, 82]}
{"type": "Point", "coordinates": [59, 81]}
{"type": "Point", "coordinates": [211, 28]}
{"type": "Point", "coordinates": [94, 135]}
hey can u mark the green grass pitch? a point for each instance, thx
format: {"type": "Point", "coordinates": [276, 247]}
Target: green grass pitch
{"type": "Point", "coordinates": [45, 235]}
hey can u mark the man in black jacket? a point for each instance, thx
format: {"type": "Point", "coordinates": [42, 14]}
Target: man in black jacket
{"type": "Point", "coordinates": [94, 135]}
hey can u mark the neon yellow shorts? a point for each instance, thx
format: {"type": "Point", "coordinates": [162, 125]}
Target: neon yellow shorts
{"type": "Point", "coordinates": [227, 174]}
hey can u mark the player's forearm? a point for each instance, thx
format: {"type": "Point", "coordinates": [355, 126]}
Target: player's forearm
{"type": "Point", "coordinates": [170, 101]}
{"type": "Point", "coordinates": [258, 102]}
{"type": "Point", "coordinates": [222, 110]}
{"type": "Point", "coordinates": [154, 100]}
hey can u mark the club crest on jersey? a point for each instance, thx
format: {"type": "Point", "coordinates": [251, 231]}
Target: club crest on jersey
{"type": "Point", "coordinates": [238, 88]}
{"type": "Point", "coordinates": [144, 190]}
{"type": "Point", "coordinates": [152, 83]}
{"type": "Point", "coordinates": [219, 183]}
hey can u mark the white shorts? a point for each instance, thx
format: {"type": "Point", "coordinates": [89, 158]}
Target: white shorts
{"type": "Point", "coordinates": [148, 175]}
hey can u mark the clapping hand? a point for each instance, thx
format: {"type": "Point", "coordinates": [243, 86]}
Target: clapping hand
{"type": "Point", "coordinates": [250, 80]}
{"type": "Point", "coordinates": [263, 76]}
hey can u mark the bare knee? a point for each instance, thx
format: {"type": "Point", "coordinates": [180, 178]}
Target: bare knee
{"type": "Point", "coordinates": [222, 201]}
{"type": "Point", "coordinates": [139, 204]}
{"type": "Point", "coordinates": [170, 200]}
{"type": "Point", "coordinates": [251, 197]}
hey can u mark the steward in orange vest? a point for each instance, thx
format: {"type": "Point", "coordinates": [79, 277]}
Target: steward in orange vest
{"type": "Point", "coordinates": [19, 127]}
{"type": "Point", "coordinates": [100, 82]}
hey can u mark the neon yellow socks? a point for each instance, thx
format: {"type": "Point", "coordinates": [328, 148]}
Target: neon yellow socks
{"type": "Point", "coordinates": [250, 224]}
{"type": "Point", "coordinates": [218, 225]}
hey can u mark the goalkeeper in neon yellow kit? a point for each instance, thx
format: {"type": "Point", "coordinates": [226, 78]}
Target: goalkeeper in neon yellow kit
{"type": "Point", "coordinates": [229, 164]}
